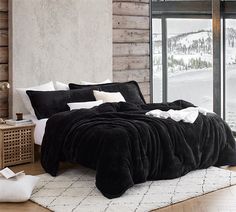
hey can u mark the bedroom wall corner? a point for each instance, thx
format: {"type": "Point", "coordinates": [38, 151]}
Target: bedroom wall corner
{"type": "Point", "coordinates": [131, 43]}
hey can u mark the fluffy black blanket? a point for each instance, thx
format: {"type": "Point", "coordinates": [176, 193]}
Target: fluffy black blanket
{"type": "Point", "coordinates": [126, 147]}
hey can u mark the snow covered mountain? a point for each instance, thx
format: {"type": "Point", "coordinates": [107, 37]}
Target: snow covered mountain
{"type": "Point", "coordinates": [193, 50]}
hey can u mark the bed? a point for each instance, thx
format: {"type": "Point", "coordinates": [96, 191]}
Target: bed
{"type": "Point", "coordinates": [122, 143]}
{"type": "Point", "coordinates": [40, 125]}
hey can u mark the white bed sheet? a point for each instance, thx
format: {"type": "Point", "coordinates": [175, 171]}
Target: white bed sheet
{"type": "Point", "coordinates": [39, 128]}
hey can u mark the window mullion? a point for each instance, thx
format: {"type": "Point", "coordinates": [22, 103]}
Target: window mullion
{"type": "Point", "coordinates": [216, 27]}
{"type": "Point", "coordinates": [164, 60]}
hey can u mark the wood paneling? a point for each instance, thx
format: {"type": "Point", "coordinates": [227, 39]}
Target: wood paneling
{"type": "Point", "coordinates": [130, 63]}
{"type": "Point", "coordinates": [3, 20]}
{"type": "Point", "coordinates": [3, 38]}
{"type": "Point", "coordinates": [131, 43]}
{"type": "Point", "coordinates": [3, 72]}
{"type": "Point", "coordinates": [130, 8]}
{"type": "Point", "coordinates": [3, 5]}
{"type": "Point", "coordinates": [130, 36]}
{"type": "Point", "coordinates": [141, 75]}
{"type": "Point", "coordinates": [3, 55]}
{"type": "Point", "coordinates": [144, 1]}
{"type": "Point", "coordinates": [130, 22]}
{"type": "Point", "coordinates": [130, 49]}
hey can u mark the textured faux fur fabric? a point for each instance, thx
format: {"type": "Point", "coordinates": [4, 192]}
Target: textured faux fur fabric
{"type": "Point", "coordinates": [126, 147]}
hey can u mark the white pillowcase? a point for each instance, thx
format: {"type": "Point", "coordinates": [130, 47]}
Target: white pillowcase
{"type": "Point", "coordinates": [108, 96]}
{"type": "Point", "coordinates": [61, 86]}
{"type": "Point", "coordinates": [95, 83]}
{"type": "Point", "coordinates": [17, 189]}
{"type": "Point", "coordinates": [84, 105]}
{"type": "Point", "coordinates": [22, 92]}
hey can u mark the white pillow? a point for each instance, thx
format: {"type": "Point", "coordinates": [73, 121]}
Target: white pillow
{"type": "Point", "coordinates": [84, 105]}
{"type": "Point", "coordinates": [95, 83]}
{"type": "Point", "coordinates": [108, 96]}
{"type": "Point", "coordinates": [17, 189]}
{"type": "Point", "coordinates": [22, 92]}
{"type": "Point", "coordinates": [61, 86]}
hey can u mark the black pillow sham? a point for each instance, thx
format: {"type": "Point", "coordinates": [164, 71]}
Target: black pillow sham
{"type": "Point", "coordinates": [48, 103]}
{"type": "Point", "coordinates": [130, 90]}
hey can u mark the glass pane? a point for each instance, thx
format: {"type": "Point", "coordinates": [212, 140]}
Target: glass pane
{"type": "Point", "coordinates": [230, 62]}
{"type": "Point", "coordinates": [190, 74]}
{"type": "Point", "coordinates": [157, 60]}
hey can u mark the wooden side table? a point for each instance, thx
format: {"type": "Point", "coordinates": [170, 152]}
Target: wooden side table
{"type": "Point", "coordinates": [16, 144]}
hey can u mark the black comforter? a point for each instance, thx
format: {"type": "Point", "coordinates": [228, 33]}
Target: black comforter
{"type": "Point", "coordinates": [126, 147]}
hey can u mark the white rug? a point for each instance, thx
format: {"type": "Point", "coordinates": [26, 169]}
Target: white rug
{"type": "Point", "coordinates": [75, 190]}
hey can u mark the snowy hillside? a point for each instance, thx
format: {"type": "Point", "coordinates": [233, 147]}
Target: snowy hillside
{"type": "Point", "coordinates": [192, 51]}
{"type": "Point", "coordinates": [190, 74]}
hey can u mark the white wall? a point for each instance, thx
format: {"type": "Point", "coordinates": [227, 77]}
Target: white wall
{"type": "Point", "coordinates": [64, 40]}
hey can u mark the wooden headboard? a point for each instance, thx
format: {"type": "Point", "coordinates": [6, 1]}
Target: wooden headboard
{"type": "Point", "coordinates": [63, 40]}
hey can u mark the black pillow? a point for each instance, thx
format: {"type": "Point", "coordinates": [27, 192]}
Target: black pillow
{"type": "Point", "coordinates": [130, 90]}
{"type": "Point", "coordinates": [48, 103]}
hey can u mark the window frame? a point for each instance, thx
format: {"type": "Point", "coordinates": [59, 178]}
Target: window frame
{"type": "Point", "coordinates": [216, 10]}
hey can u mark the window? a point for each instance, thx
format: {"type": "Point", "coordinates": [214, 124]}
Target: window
{"type": "Point", "coordinates": [188, 40]}
{"type": "Point", "coordinates": [157, 60]}
{"type": "Point", "coordinates": [230, 62]}
{"type": "Point", "coordinates": [190, 61]}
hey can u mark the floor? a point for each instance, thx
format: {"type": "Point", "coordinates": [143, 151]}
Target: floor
{"type": "Point", "coordinates": [220, 201]}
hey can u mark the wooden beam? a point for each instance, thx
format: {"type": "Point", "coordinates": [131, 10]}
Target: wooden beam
{"type": "Point", "coordinates": [3, 38]}
{"type": "Point", "coordinates": [141, 75]}
{"type": "Point", "coordinates": [130, 63]}
{"type": "Point", "coordinates": [3, 20]}
{"type": "Point", "coordinates": [130, 22]}
{"type": "Point", "coordinates": [130, 36]}
{"type": "Point", "coordinates": [3, 72]}
{"type": "Point", "coordinates": [140, 1]}
{"type": "Point", "coordinates": [131, 8]}
{"type": "Point", "coordinates": [3, 5]}
{"type": "Point", "coordinates": [4, 55]}
{"type": "Point", "coordinates": [130, 49]}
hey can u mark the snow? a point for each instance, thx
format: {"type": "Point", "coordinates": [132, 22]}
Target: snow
{"type": "Point", "coordinates": [197, 87]}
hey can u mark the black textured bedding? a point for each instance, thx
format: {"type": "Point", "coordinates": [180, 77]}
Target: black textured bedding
{"type": "Point", "coordinates": [126, 147]}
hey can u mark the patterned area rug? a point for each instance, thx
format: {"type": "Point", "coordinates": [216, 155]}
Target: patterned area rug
{"type": "Point", "coordinates": [75, 190]}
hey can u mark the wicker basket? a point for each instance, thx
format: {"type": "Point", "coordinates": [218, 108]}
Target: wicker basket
{"type": "Point", "coordinates": [16, 145]}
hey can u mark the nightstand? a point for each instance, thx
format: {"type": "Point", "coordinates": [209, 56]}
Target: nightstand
{"type": "Point", "coordinates": [16, 144]}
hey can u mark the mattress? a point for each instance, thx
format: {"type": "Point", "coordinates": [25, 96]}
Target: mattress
{"type": "Point", "coordinates": [39, 128]}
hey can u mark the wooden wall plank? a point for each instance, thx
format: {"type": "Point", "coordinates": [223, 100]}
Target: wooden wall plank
{"type": "Point", "coordinates": [130, 63]}
{"type": "Point", "coordinates": [4, 55]}
{"type": "Point", "coordinates": [130, 36]}
{"type": "Point", "coordinates": [141, 75]}
{"type": "Point", "coordinates": [130, 8]}
{"type": "Point", "coordinates": [3, 104]}
{"type": "Point", "coordinates": [130, 22]}
{"type": "Point", "coordinates": [130, 49]}
{"type": "Point", "coordinates": [3, 20]}
{"type": "Point", "coordinates": [131, 43]}
{"type": "Point", "coordinates": [3, 38]}
{"type": "Point", "coordinates": [141, 1]}
{"type": "Point", "coordinates": [3, 72]}
{"type": "Point", "coordinates": [3, 5]}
